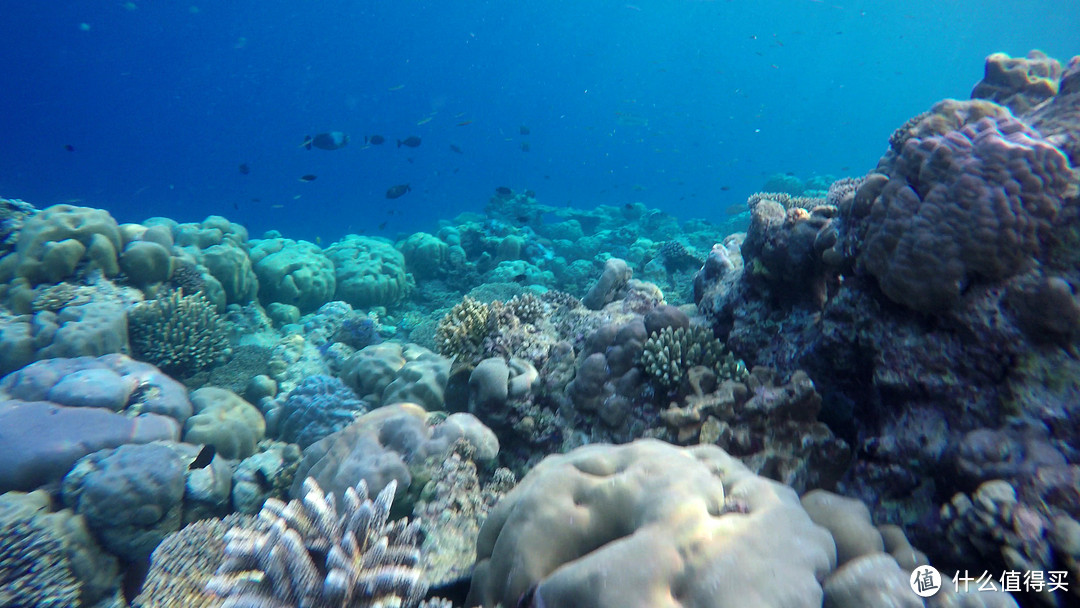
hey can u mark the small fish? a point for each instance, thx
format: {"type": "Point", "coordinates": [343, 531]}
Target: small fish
{"type": "Point", "coordinates": [382, 226]}
{"type": "Point", "coordinates": [205, 457]}
{"type": "Point", "coordinates": [521, 278]}
{"type": "Point", "coordinates": [244, 168]}
{"type": "Point", "coordinates": [504, 192]}
{"type": "Point", "coordinates": [333, 140]}
{"type": "Point", "coordinates": [411, 141]}
{"type": "Point", "coordinates": [278, 206]}
{"type": "Point", "coordinates": [256, 200]}
{"type": "Point", "coordinates": [464, 122]}
{"type": "Point", "coordinates": [69, 147]}
{"type": "Point", "coordinates": [308, 178]}
{"type": "Point", "coordinates": [725, 188]}
{"type": "Point", "coordinates": [375, 140]}
{"type": "Point", "coordinates": [236, 205]}
{"type": "Point", "coordinates": [736, 209]}
{"type": "Point", "coordinates": [525, 146]}
{"type": "Point", "coordinates": [424, 121]}
{"type": "Point", "coordinates": [455, 148]}
{"type": "Point", "coordinates": [396, 88]}
{"type": "Point", "coordinates": [523, 130]}
{"type": "Point", "coordinates": [397, 191]}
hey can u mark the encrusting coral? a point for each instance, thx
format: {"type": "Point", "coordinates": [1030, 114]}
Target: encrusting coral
{"type": "Point", "coordinates": [670, 352]}
{"type": "Point", "coordinates": [313, 557]}
{"type": "Point", "coordinates": [178, 333]}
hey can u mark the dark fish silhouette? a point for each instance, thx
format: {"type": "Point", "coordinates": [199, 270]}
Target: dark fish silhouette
{"type": "Point", "coordinates": [262, 480]}
{"type": "Point", "coordinates": [464, 123]}
{"type": "Point", "coordinates": [411, 141]}
{"type": "Point", "coordinates": [205, 457]}
{"type": "Point", "coordinates": [455, 148]}
{"type": "Point", "coordinates": [69, 147]}
{"type": "Point", "coordinates": [327, 141]}
{"type": "Point", "coordinates": [503, 192]}
{"type": "Point", "coordinates": [524, 146]}
{"type": "Point", "coordinates": [375, 140]}
{"type": "Point", "coordinates": [397, 191]}
{"type": "Point", "coordinates": [523, 130]}
{"type": "Point", "coordinates": [308, 178]}
{"type": "Point", "coordinates": [382, 226]}
{"type": "Point", "coordinates": [244, 168]}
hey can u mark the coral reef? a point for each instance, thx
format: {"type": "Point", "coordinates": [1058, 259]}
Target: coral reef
{"type": "Point", "coordinates": [34, 567]}
{"type": "Point", "coordinates": [461, 332]}
{"type": "Point", "coordinates": [369, 271]}
{"type": "Point", "coordinates": [1019, 83]}
{"type": "Point", "coordinates": [649, 498]}
{"type": "Point", "coordinates": [178, 333]}
{"type": "Point", "coordinates": [293, 272]}
{"type": "Point", "coordinates": [183, 564]}
{"type": "Point", "coordinates": [225, 421]}
{"type": "Point", "coordinates": [973, 204]}
{"type": "Point", "coordinates": [318, 406]}
{"type": "Point", "coordinates": [451, 509]}
{"type": "Point", "coordinates": [311, 555]}
{"type": "Point", "coordinates": [382, 444]}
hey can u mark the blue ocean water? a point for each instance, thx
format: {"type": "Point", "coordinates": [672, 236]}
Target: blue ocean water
{"type": "Point", "coordinates": [149, 108]}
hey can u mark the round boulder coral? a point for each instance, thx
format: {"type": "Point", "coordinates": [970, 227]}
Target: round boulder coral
{"type": "Point", "coordinates": [224, 420]}
{"type": "Point", "coordinates": [293, 272]}
{"type": "Point", "coordinates": [370, 272]}
{"type": "Point", "coordinates": [649, 524]}
{"type": "Point", "coordinates": [972, 204]}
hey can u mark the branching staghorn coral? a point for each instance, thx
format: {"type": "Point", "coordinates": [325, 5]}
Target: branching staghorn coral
{"type": "Point", "coordinates": [311, 557]}
{"type": "Point", "coordinates": [178, 333]}
{"type": "Point", "coordinates": [669, 353]}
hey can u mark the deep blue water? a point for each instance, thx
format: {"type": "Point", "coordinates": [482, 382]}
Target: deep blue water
{"type": "Point", "coordinates": [683, 105]}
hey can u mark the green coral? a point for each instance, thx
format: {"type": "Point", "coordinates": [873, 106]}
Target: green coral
{"type": "Point", "coordinates": [181, 335]}
{"type": "Point", "coordinates": [669, 353]}
{"type": "Point", "coordinates": [462, 331]}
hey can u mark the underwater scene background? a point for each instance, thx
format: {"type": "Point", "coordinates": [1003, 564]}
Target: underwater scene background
{"type": "Point", "coordinates": [665, 103]}
{"type": "Point", "coordinates": [605, 304]}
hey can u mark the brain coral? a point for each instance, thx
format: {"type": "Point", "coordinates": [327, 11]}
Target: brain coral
{"type": "Point", "coordinates": [649, 524]}
{"type": "Point", "coordinates": [370, 272]}
{"type": "Point", "coordinates": [970, 204]}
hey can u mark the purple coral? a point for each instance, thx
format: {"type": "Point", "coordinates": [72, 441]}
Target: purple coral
{"type": "Point", "coordinates": [971, 204]}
